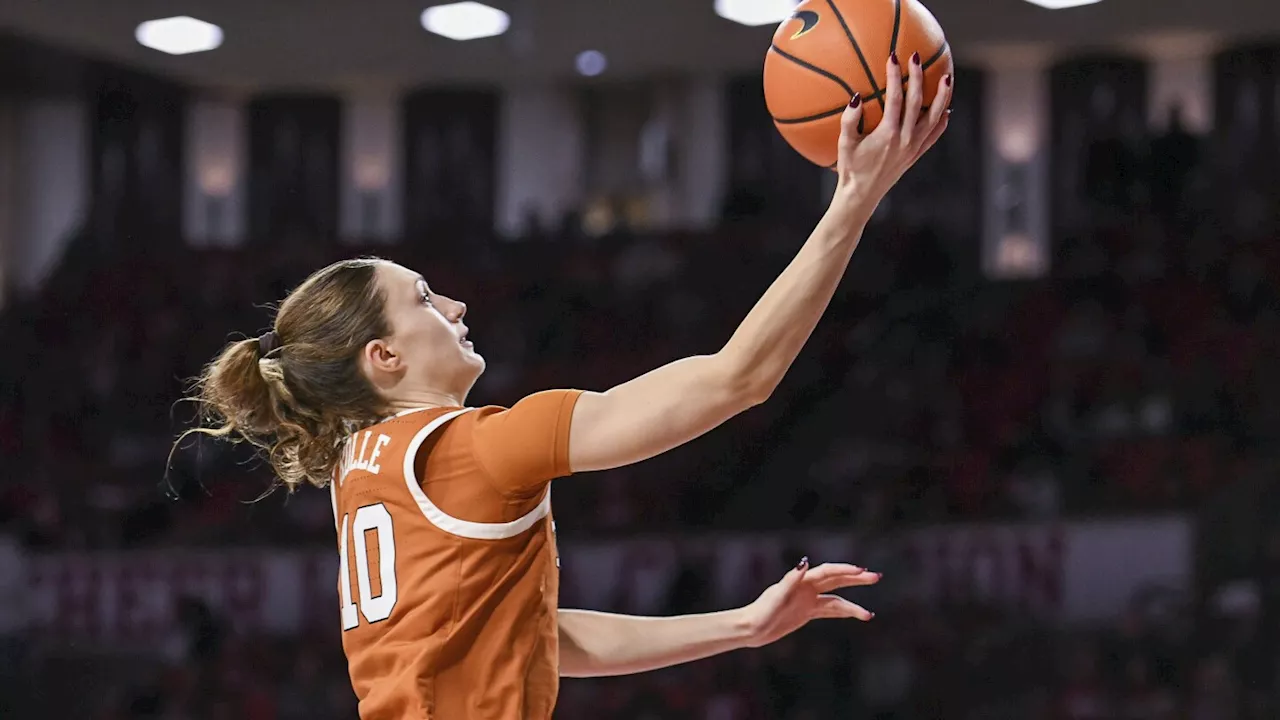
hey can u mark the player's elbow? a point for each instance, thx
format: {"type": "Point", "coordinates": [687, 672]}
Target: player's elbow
{"type": "Point", "coordinates": [754, 391]}
{"type": "Point", "coordinates": [576, 664]}
{"type": "Point", "coordinates": [584, 657]}
{"type": "Point", "coordinates": [742, 384]}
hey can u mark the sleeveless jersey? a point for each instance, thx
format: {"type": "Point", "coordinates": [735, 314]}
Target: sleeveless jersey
{"type": "Point", "coordinates": [449, 577]}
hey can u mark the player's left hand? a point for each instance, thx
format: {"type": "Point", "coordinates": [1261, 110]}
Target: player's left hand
{"type": "Point", "coordinates": [803, 595]}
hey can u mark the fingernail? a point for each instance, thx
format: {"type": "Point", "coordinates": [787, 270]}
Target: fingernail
{"type": "Point", "coordinates": [856, 100]}
{"type": "Point", "coordinates": [804, 563]}
{"type": "Point", "coordinates": [873, 617]}
{"type": "Point", "coordinates": [915, 58]}
{"type": "Point", "coordinates": [893, 59]}
{"type": "Point", "coordinates": [947, 80]}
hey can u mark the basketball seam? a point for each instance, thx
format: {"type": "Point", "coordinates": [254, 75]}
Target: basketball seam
{"type": "Point", "coordinates": [810, 118]}
{"type": "Point", "coordinates": [812, 68]}
{"type": "Point", "coordinates": [897, 25]}
{"type": "Point", "coordinates": [866, 67]}
{"type": "Point", "coordinates": [827, 113]}
{"type": "Point", "coordinates": [936, 56]}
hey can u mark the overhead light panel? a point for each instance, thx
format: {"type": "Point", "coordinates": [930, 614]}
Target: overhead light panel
{"type": "Point", "coordinates": [591, 63]}
{"type": "Point", "coordinates": [756, 12]}
{"type": "Point", "coordinates": [181, 35]}
{"type": "Point", "coordinates": [465, 20]}
{"type": "Point", "coordinates": [1062, 4]}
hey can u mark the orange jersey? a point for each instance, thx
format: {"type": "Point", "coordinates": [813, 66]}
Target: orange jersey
{"type": "Point", "coordinates": [449, 575]}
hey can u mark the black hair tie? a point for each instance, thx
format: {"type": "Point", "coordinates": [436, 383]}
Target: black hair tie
{"type": "Point", "coordinates": [268, 343]}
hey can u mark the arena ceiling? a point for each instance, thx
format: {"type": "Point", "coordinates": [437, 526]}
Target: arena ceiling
{"type": "Point", "coordinates": [361, 43]}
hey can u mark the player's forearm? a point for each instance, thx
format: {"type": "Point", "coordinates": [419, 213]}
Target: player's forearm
{"type": "Point", "coordinates": [594, 644]}
{"type": "Point", "coordinates": [771, 336]}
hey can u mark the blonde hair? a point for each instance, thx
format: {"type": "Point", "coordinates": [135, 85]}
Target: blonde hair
{"type": "Point", "coordinates": [297, 394]}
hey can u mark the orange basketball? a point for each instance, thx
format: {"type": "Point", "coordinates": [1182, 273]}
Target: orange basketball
{"type": "Point", "coordinates": [828, 50]}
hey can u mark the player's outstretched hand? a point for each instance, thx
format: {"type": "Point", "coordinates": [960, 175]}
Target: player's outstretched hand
{"type": "Point", "coordinates": [803, 594]}
{"type": "Point", "coordinates": [868, 166]}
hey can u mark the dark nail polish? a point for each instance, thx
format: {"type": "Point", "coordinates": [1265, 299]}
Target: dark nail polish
{"type": "Point", "coordinates": [915, 58]}
{"type": "Point", "coordinates": [893, 59]}
{"type": "Point", "coordinates": [804, 563]}
{"type": "Point", "coordinates": [947, 79]}
{"type": "Point", "coordinates": [856, 100]}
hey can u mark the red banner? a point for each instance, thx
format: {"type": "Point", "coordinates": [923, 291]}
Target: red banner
{"type": "Point", "coordinates": [1069, 571]}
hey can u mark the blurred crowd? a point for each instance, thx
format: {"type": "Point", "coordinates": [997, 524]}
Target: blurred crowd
{"type": "Point", "coordinates": [1138, 376]}
{"type": "Point", "coordinates": [1134, 377]}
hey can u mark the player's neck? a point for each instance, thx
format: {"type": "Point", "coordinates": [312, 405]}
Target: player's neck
{"type": "Point", "coordinates": [425, 398]}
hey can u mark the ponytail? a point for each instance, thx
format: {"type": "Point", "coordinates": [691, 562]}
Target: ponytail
{"type": "Point", "coordinates": [297, 392]}
{"type": "Point", "coordinates": [236, 388]}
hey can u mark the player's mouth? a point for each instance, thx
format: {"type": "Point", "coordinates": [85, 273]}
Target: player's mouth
{"type": "Point", "coordinates": [463, 341]}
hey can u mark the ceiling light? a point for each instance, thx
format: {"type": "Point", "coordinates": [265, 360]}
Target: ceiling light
{"type": "Point", "coordinates": [465, 20]}
{"type": "Point", "coordinates": [1062, 4]}
{"type": "Point", "coordinates": [755, 12]}
{"type": "Point", "coordinates": [179, 35]}
{"type": "Point", "coordinates": [591, 62]}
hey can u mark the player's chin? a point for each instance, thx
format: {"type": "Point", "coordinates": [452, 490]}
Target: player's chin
{"type": "Point", "coordinates": [473, 359]}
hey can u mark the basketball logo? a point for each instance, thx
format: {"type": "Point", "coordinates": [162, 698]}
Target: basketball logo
{"type": "Point", "coordinates": [808, 17]}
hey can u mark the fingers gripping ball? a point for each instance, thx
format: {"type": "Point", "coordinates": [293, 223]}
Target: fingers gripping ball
{"type": "Point", "coordinates": [830, 49]}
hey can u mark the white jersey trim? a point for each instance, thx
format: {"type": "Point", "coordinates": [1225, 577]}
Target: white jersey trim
{"type": "Point", "coordinates": [333, 498]}
{"type": "Point", "coordinates": [410, 411]}
{"type": "Point", "coordinates": [457, 526]}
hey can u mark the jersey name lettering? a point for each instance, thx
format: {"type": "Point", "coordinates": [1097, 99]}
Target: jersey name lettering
{"type": "Point", "coordinates": [361, 453]}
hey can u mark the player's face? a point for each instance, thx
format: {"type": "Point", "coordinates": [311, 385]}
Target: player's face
{"type": "Point", "coordinates": [428, 332]}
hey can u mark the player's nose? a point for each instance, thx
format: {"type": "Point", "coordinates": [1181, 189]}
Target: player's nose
{"type": "Point", "coordinates": [456, 309]}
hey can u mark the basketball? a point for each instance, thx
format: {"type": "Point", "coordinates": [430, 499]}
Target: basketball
{"type": "Point", "coordinates": [828, 50]}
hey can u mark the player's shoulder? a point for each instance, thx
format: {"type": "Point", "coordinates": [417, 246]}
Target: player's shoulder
{"type": "Point", "coordinates": [544, 404]}
{"type": "Point", "coordinates": [410, 430]}
{"type": "Point", "coordinates": [404, 430]}
{"type": "Point", "coordinates": [394, 440]}
{"type": "Point", "coordinates": [408, 424]}
{"type": "Point", "coordinates": [414, 421]}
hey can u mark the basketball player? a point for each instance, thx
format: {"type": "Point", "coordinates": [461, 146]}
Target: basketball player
{"type": "Point", "coordinates": [449, 574]}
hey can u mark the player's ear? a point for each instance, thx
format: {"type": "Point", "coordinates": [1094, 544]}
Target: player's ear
{"type": "Point", "coordinates": [379, 358]}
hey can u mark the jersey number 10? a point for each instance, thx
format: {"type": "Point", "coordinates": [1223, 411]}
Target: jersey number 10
{"type": "Point", "coordinates": [374, 609]}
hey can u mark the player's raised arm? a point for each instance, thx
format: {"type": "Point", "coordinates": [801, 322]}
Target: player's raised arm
{"type": "Point", "coordinates": [675, 403]}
